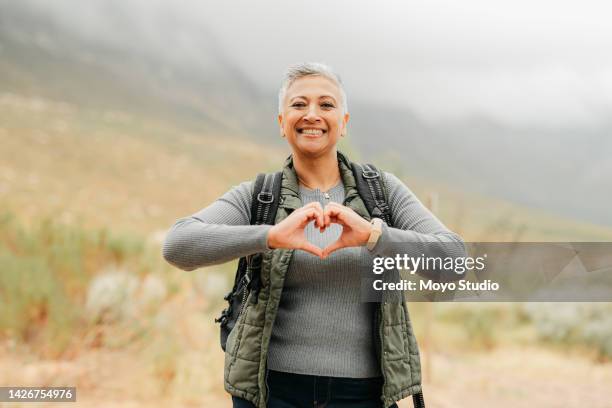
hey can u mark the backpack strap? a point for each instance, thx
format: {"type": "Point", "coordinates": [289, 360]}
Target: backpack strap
{"type": "Point", "coordinates": [266, 197]}
{"type": "Point", "coordinates": [372, 191]}
{"type": "Point", "coordinates": [260, 206]}
{"type": "Point", "coordinates": [264, 204]}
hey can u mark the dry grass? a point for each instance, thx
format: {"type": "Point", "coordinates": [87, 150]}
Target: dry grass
{"type": "Point", "coordinates": [113, 170]}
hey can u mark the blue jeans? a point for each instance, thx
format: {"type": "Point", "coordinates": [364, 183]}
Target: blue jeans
{"type": "Point", "coordinates": [287, 390]}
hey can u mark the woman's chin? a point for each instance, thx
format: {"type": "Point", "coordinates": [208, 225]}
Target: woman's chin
{"type": "Point", "coordinates": [312, 149]}
{"type": "Point", "coordinates": [313, 145]}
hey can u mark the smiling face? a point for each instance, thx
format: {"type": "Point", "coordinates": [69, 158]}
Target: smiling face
{"type": "Point", "coordinates": [312, 117]}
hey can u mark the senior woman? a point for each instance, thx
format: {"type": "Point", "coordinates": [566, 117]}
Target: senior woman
{"type": "Point", "coordinates": [307, 339]}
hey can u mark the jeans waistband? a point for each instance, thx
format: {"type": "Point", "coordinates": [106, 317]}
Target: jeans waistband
{"type": "Point", "coordinates": [323, 388]}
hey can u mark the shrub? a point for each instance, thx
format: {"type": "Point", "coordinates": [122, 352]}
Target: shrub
{"type": "Point", "coordinates": [587, 324]}
{"type": "Point", "coordinates": [45, 275]}
{"type": "Point", "coordinates": [110, 297]}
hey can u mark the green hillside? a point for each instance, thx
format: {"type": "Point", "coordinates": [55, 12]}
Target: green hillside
{"type": "Point", "coordinates": [112, 169]}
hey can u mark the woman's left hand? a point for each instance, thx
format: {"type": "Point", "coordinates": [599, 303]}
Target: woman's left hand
{"type": "Point", "coordinates": [355, 230]}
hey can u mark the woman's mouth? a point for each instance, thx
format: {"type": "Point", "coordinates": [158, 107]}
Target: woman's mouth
{"type": "Point", "coordinates": [312, 132]}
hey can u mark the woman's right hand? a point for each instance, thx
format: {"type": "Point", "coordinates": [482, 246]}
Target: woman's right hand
{"type": "Point", "coordinates": [289, 233]}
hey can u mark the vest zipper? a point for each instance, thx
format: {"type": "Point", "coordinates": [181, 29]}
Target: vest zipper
{"type": "Point", "coordinates": [378, 322]}
{"type": "Point", "coordinates": [283, 260]}
{"type": "Point", "coordinates": [245, 292]}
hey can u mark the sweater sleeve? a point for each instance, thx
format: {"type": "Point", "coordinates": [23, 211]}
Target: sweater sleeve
{"type": "Point", "coordinates": [414, 224]}
{"type": "Point", "coordinates": [216, 234]}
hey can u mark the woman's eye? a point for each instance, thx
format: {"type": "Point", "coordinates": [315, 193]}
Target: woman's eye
{"type": "Point", "coordinates": [327, 105]}
{"type": "Point", "coordinates": [298, 105]}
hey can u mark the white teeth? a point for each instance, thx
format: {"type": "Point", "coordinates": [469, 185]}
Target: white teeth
{"type": "Point", "coordinates": [312, 131]}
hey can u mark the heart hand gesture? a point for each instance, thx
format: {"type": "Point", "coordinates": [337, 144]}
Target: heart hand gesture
{"type": "Point", "coordinates": [290, 234]}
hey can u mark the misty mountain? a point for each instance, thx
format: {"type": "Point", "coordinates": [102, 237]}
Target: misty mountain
{"type": "Point", "coordinates": [567, 171]}
{"type": "Point", "coordinates": [183, 78]}
{"type": "Point", "coordinates": [177, 71]}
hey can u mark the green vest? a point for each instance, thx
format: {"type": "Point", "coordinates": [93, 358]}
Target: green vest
{"type": "Point", "coordinates": [247, 345]}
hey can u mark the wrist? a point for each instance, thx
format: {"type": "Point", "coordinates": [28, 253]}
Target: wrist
{"type": "Point", "coordinates": [271, 239]}
{"type": "Point", "coordinates": [375, 233]}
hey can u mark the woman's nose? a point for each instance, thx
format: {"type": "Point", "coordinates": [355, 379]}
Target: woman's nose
{"type": "Point", "coordinates": [312, 114]}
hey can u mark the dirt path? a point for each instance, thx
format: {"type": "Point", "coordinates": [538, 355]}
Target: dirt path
{"type": "Point", "coordinates": [520, 377]}
{"type": "Point", "coordinates": [505, 377]}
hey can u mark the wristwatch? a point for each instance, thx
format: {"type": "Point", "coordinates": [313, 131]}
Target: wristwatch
{"type": "Point", "coordinates": [375, 234]}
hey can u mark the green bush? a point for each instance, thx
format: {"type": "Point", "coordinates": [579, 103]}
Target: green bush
{"type": "Point", "coordinates": [588, 324]}
{"type": "Point", "coordinates": [45, 272]}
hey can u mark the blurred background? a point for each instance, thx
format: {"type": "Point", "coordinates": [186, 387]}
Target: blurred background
{"type": "Point", "coordinates": [119, 117]}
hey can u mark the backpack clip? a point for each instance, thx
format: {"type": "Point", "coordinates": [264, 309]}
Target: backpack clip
{"type": "Point", "coordinates": [265, 197]}
{"type": "Point", "coordinates": [370, 174]}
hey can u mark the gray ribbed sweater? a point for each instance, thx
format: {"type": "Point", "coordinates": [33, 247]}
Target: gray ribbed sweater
{"type": "Point", "coordinates": [321, 328]}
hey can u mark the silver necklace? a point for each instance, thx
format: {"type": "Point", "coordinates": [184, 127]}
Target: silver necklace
{"type": "Point", "coordinates": [325, 193]}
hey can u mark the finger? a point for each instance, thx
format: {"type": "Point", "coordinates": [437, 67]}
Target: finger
{"type": "Point", "coordinates": [331, 210]}
{"type": "Point", "coordinates": [343, 215]}
{"type": "Point", "coordinates": [316, 206]}
{"type": "Point", "coordinates": [320, 217]}
{"type": "Point", "coordinates": [331, 248]}
{"type": "Point", "coordinates": [309, 215]}
{"type": "Point", "coordinates": [313, 249]}
{"type": "Point", "coordinates": [334, 219]}
{"type": "Point", "coordinates": [340, 209]}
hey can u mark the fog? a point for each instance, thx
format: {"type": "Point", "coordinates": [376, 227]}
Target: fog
{"type": "Point", "coordinates": [509, 100]}
{"type": "Point", "coordinates": [543, 64]}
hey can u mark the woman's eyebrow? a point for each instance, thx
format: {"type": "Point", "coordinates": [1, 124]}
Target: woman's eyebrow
{"type": "Point", "coordinates": [305, 97]}
{"type": "Point", "coordinates": [297, 97]}
{"type": "Point", "coordinates": [327, 96]}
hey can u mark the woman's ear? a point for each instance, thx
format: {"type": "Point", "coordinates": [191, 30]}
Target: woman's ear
{"type": "Point", "coordinates": [344, 122]}
{"type": "Point", "coordinates": [280, 124]}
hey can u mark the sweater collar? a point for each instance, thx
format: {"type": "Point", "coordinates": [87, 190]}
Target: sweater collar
{"type": "Point", "coordinates": [290, 190]}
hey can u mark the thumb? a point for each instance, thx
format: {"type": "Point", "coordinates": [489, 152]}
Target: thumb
{"type": "Point", "coordinates": [331, 248]}
{"type": "Point", "coordinates": [313, 249]}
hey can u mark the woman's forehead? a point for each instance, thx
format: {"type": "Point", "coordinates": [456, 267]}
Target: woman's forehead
{"type": "Point", "coordinates": [313, 86]}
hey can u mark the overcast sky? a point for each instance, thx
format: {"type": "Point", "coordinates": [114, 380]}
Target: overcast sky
{"type": "Point", "coordinates": [525, 63]}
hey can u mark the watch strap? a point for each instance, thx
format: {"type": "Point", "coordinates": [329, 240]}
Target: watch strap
{"type": "Point", "coordinates": [375, 234]}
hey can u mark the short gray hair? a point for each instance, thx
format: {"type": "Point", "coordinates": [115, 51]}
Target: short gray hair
{"type": "Point", "coordinates": [298, 71]}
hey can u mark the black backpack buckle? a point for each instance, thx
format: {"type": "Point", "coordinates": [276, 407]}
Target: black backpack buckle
{"type": "Point", "coordinates": [384, 207]}
{"type": "Point", "coordinates": [265, 197]}
{"type": "Point", "coordinates": [370, 174]}
{"type": "Point", "coordinates": [254, 261]}
{"type": "Point", "coordinates": [223, 318]}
